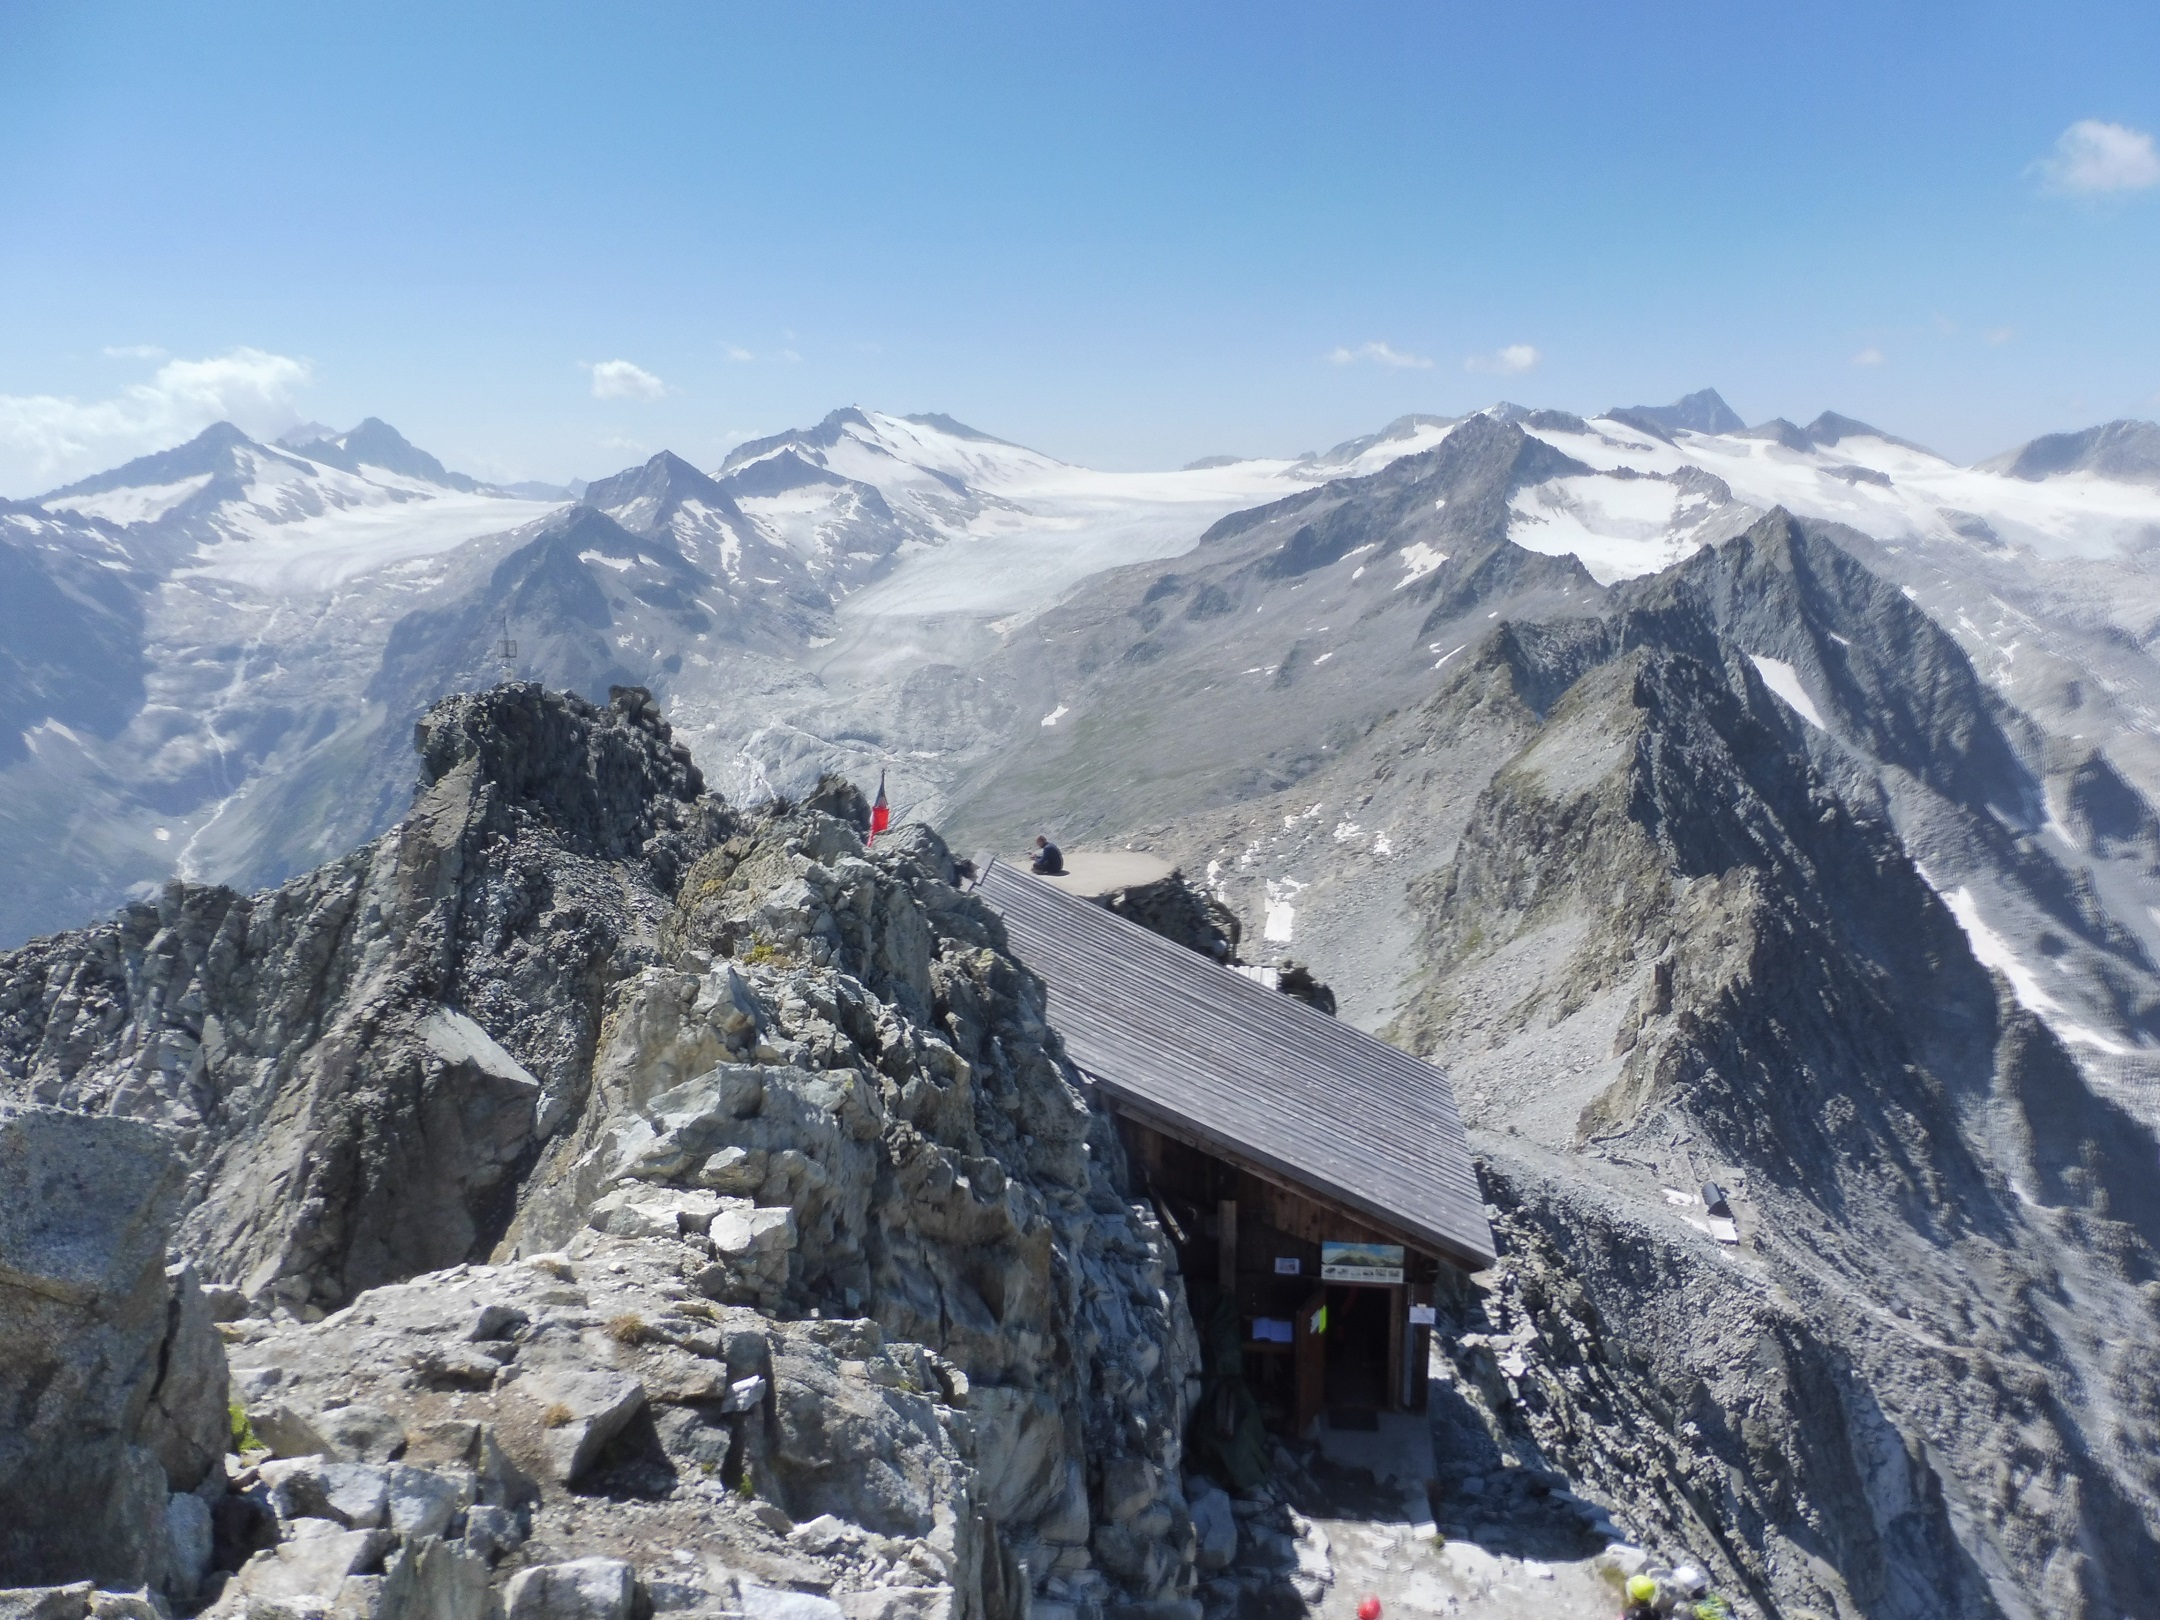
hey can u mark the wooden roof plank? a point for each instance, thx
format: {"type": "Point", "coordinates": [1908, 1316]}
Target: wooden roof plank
{"type": "Point", "coordinates": [1270, 1079]}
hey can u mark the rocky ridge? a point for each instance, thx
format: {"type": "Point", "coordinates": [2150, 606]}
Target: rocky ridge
{"type": "Point", "coordinates": [589, 1172]}
{"type": "Point", "coordinates": [1694, 884]}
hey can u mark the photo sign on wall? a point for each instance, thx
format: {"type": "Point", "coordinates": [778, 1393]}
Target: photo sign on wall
{"type": "Point", "coordinates": [1361, 1262]}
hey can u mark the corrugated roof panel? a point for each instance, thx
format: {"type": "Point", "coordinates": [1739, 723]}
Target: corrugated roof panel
{"type": "Point", "coordinates": [1319, 1101]}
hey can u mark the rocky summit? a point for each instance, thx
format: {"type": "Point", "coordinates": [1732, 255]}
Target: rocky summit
{"type": "Point", "coordinates": [596, 1201]}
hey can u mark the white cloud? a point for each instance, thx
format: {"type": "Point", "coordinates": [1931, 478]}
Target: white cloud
{"type": "Point", "coordinates": [2091, 156]}
{"type": "Point", "coordinates": [1511, 361]}
{"type": "Point", "coordinates": [619, 379]}
{"type": "Point", "coordinates": [46, 439]}
{"type": "Point", "coordinates": [1380, 355]}
{"type": "Point", "coordinates": [740, 356]}
{"type": "Point", "coordinates": [1998, 334]}
{"type": "Point", "coordinates": [1869, 356]}
{"type": "Point", "coordinates": [133, 351]}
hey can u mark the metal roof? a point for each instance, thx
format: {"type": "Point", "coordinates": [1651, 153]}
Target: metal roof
{"type": "Point", "coordinates": [1201, 1052]}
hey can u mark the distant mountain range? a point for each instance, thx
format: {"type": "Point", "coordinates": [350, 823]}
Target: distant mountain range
{"type": "Point", "coordinates": [214, 652]}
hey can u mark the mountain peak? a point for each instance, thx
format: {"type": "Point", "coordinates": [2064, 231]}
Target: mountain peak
{"type": "Point", "coordinates": [2126, 450]}
{"type": "Point", "coordinates": [954, 428]}
{"type": "Point", "coordinates": [660, 482]}
{"type": "Point", "coordinates": [375, 443]}
{"type": "Point", "coordinates": [1703, 411]}
{"type": "Point", "coordinates": [209, 452]}
{"type": "Point", "coordinates": [1830, 427]}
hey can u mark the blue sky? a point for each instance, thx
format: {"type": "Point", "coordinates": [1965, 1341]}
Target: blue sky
{"type": "Point", "coordinates": [1129, 235]}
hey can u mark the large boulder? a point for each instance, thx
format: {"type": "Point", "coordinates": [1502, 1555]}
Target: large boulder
{"type": "Point", "coordinates": [111, 1371]}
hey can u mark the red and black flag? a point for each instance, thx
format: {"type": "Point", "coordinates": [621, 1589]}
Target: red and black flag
{"type": "Point", "coordinates": [880, 811]}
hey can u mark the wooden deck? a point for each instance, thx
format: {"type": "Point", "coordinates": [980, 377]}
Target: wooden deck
{"type": "Point", "coordinates": [1201, 1053]}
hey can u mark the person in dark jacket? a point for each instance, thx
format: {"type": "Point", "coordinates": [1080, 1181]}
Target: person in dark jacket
{"type": "Point", "coordinates": [1049, 859]}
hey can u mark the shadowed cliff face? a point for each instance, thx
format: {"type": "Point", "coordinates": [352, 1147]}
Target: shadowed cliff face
{"type": "Point", "coordinates": [338, 1053]}
{"type": "Point", "coordinates": [1681, 940]}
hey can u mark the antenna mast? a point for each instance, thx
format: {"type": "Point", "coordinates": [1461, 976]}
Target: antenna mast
{"type": "Point", "coordinates": [506, 649]}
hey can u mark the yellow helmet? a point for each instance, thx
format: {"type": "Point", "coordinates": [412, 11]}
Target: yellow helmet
{"type": "Point", "coordinates": [1641, 1589]}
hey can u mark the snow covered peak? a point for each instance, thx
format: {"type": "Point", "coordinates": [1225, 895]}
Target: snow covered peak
{"type": "Point", "coordinates": [1354, 458]}
{"type": "Point", "coordinates": [849, 493]}
{"type": "Point", "coordinates": [667, 496]}
{"type": "Point", "coordinates": [638, 497]}
{"type": "Point", "coordinates": [895, 453]}
{"type": "Point", "coordinates": [216, 465]}
{"type": "Point", "coordinates": [1835, 468]}
{"type": "Point", "coordinates": [274, 516]}
{"type": "Point", "coordinates": [375, 443]}
{"type": "Point", "coordinates": [217, 449]}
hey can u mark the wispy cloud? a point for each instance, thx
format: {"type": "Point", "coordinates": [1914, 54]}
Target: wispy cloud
{"type": "Point", "coordinates": [1870, 356]}
{"type": "Point", "coordinates": [133, 351]}
{"type": "Point", "coordinates": [1511, 361]}
{"type": "Point", "coordinates": [1998, 335]}
{"type": "Point", "coordinates": [740, 356]}
{"type": "Point", "coordinates": [45, 438]}
{"type": "Point", "coordinates": [1380, 354]}
{"type": "Point", "coordinates": [2092, 158]}
{"type": "Point", "coordinates": [619, 379]}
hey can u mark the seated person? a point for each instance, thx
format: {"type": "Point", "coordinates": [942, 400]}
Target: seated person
{"type": "Point", "coordinates": [1049, 859]}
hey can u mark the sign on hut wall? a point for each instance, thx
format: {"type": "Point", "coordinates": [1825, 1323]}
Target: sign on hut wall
{"type": "Point", "coordinates": [1361, 1262]}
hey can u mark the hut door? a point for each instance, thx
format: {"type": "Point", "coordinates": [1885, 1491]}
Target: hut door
{"type": "Point", "coordinates": [1310, 1354]}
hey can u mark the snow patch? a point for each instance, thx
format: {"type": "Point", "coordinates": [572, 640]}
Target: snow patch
{"type": "Point", "coordinates": [1057, 714]}
{"type": "Point", "coordinates": [1991, 950]}
{"type": "Point", "coordinates": [1617, 528]}
{"type": "Point", "coordinates": [1281, 916]}
{"type": "Point", "coordinates": [141, 503]}
{"type": "Point", "coordinates": [1784, 680]}
{"type": "Point", "coordinates": [621, 565]}
{"type": "Point", "coordinates": [1418, 560]}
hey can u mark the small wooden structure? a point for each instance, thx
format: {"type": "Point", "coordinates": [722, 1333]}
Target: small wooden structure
{"type": "Point", "coordinates": [1316, 1175]}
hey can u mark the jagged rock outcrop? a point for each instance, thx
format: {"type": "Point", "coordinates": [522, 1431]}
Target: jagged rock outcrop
{"type": "Point", "coordinates": [843, 1039]}
{"type": "Point", "coordinates": [112, 1377]}
{"type": "Point", "coordinates": [604, 1172]}
{"type": "Point", "coordinates": [1173, 908]}
{"type": "Point", "coordinates": [336, 1054]}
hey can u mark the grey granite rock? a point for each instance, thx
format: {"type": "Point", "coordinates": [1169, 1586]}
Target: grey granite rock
{"type": "Point", "coordinates": [109, 1367]}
